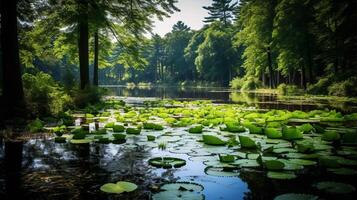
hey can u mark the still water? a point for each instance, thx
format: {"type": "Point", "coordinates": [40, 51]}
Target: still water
{"type": "Point", "coordinates": [37, 168]}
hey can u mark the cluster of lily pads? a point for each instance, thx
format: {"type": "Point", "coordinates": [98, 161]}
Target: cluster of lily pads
{"type": "Point", "coordinates": [228, 138]}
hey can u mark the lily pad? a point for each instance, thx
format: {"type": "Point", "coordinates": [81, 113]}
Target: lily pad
{"type": "Point", "coordinates": [334, 187]}
{"type": "Point", "coordinates": [292, 133]}
{"type": "Point", "coordinates": [331, 136]}
{"type": "Point", "coordinates": [213, 140]}
{"type": "Point", "coordinates": [272, 133]}
{"type": "Point", "coordinates": [81, 141]}
{"type": "Point", "coordinates": [281, 175]}
{"type": "Point", "coordinates": [195, 129]}
{"type": "Point", "coordinates": [274, 165]}
{"type": "Point", "coordinates": [294, 196]}
{"type": "Point", "coordinates": [167, 162]}
{"type": "Point", "coordinates": [247, 142]}
{"type": "Point", "coordinates": [119, 187]}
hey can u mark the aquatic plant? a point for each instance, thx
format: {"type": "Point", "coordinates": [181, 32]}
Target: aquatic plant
{"type": "Point", "coordinates": [196, 129]}
{"type": "Point", "coordinates": [118, 128]}
{"type": "Point", "coordinates": [180, 190]}
{"type": "Point", "coordinates": [60, 139]}
{"type": "Point", "coordinates": [213, 140]}
{"type": "Point", "coordinates": [35, 126]}
{"type": "Point", "coordinates": [151, 137]}
{"type": "Point", "coordinates": [133, 131]}
{"type": "Point", "coordinates": [167, 162]}
{"type": "Point", "coordinates": [247, 142]}
{"type": "Point", "coordinates": [119, 187]}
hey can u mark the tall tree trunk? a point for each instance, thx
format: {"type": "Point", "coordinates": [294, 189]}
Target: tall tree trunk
{"type": "Point", "coordinates": [95, 65]}
{"type": "Point", "coordinates": [12, 90]}
{"type": "Point", "coordinates": [271, 73]}
{"type": "Point", "coordinates": [83, 43]}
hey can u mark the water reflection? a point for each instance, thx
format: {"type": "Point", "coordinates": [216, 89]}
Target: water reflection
{"type": "Point", "coordinates": [225, 95]}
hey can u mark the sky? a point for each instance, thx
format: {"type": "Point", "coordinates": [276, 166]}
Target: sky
{"type": "Point", "coordinates": [192, 14]}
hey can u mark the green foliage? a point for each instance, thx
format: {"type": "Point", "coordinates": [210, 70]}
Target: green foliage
{"type": "Point", "coordinates": [273, 133]}
{"type": "Point", "coordinates": [213, 140]}
{"type": "Point", "coordinates": [344, 88]}
{"type": "Point", "coordinates": [331, 136]}
{"type": "Point", "coordinates": [134, 131]}
{"type": "Point", "coordinates": [119, 136]}
{"type": "Point", "coordinates": [292, 133]}
{"type": "Point", "coordinates": [151, 137]}
{"type": "Point", "coordinates": [285, 89]}
{"type": "Point", "coordinates": [119, 187]}
{"type": "Point", "coordinates": [196, 129]}
{"type": "Point", "coordinates": [247, 142]}
{"type": "Point", "coordinates": [237, 83]}
{"type": "Point", "coordinates": [59, 130]}
{"type": "Point", "coordinates": [250, 83]}
{"type": "Point", "coordinates": [274, 165]}
{"type": "Point", "coordinates": [88, 96]}
{"type": "Point", "coordinates": [118, 128]}
{"type": "Point", "coordinates": [167, 162]}
{"type": "Point", "coordinates": [44, 95]}
{"type": "Point", "coordinates": [79, 135]}
{"type": "Point", "coordinates": [35, 126]}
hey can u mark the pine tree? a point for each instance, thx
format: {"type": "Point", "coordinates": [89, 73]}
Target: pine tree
{"type": "Point", "coordinates": [220, 10]}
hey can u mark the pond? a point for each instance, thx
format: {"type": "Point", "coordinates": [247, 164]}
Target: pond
{"type": "Point", "coordinates": [226, 95]}
{"type": "Point", "coordinates": [230, 150]}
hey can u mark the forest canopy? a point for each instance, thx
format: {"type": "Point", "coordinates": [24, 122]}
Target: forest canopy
{"type": "Point", "coordinates": [246, 45]}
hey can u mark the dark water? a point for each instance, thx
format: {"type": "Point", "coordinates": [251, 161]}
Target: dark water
{"type": "Point", "coordinates": [225, 95]}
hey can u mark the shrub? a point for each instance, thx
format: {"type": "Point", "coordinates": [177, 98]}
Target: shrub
{"type": "Point", "coordinates": [44, 95]}
{"type": "Point", "coordinates": [251, 83]}
{"type": "Point", "coordinates": [236, 83]}
{"type": "Point", "coordinates": [88, 96]}
{"type": "Point", "coordinates": [285, 89]}
{"type": "Point", "coordinates": [35, 126]}
{"type": "Point", "coordinates": [344, 88]}
{"type": "Point", "coordinates": [321, 86]}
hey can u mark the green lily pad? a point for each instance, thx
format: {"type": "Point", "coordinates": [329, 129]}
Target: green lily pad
{"type": "Point", "coordinates": [306, 128]}
{"type": "Point", "coordinates": [119, 187]}
{"type": "Point", "coordinates": [334, 187]}
{"type": "Point", "coordinates": [167, 162]}
{"type": "Point", "coordinates": [281, 175]}
{"type": "Point", "coordinates": [247, 142]}
{"type": "Point", "coordinates": [294, 196]}
{"type": "Point", "coordinates": [219, 171]}
{"type": "Point", "coordinates": [213, 140]}
{"type": "Point", "coordinates": [272, 133]}
{"type": "Point", "coordinates": [118, 128]}
{"type": "Point", "coordinates": [305, 146]}
{"type": "Point", "coordinates": [292, 133]}
{"type": "Point", "coordinates": [331, 136]}
{"type": "Point", "coordinates": [343, 171]}
{"type": "Point", "coordinates": [226, 158]}
{"type": "Point", "coordinates": [196, 129]}
{"type": "Point", "coordinates": [81, 141]}
{"type": "Point", "coordinates": [180, 191]}
{"type": "Point", "coordinates": [253, 129]}
{"type": "Point", "coordinates": [274, 165]}
{"type": "Point", "coordinates": [133, 131]}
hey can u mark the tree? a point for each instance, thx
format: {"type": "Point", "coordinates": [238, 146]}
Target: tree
{"type": "Point", "coordinates": [255, 22]}
{"type": "Point", "coordinates": [176, 42]}
{"type": "Point", "coordinates": [215, 54]}
{"type": "Point", "coordinates": [12, 90]}
{"type": "Point", "coordinates": [221, 10]}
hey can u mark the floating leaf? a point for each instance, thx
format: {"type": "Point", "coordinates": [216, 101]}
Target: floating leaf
{"type": "Point", "coordinates": [272, 133]}
{"type": "Point", "coordinates": [335, 187]}
{"type": "Point", "coordinates": [167, 162]}
{"type": "Point", "coordinates": [331, 136]}
{"type": "Point", "coordinates": [195, 129]}
{"type": "Point", "coordinates": [226, 158]}
{"type": "Point", "coordinates": [281, 175]}
{"type": "Point", "coordinates": [292, 133]}
{"type": "Point", "coordinates": [274, 165]}
{"type": "Point", "coordinates": [293, 196]}
{"type": "Point", "coordinates": [246, 142]}
{"type": "Point", "coordinates": [213, 140]}
{"type": "Point", "coordinates": [119, 187]}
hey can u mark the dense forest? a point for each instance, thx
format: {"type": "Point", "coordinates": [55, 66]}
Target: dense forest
{"type": "Point", "coordinates": [250, 44]}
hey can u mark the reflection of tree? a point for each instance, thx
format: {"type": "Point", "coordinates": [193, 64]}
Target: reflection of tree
{"type": "Point", "coordinates": [53, 171]}
{"type": "Point", "coordinates": [244, 97]}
